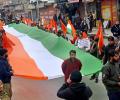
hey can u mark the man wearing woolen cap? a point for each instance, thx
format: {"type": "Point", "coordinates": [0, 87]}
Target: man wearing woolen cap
{"type": "Point", "coordinates": [74, 89]}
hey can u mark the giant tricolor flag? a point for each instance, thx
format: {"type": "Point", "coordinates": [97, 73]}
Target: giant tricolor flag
{"type": "Point", "coordinates": [30, 58]}
{"type": "Point", "coordinates": [39, 55]}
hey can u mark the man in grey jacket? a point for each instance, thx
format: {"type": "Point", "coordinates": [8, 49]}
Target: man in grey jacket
{"type": "Point", "coordinates": [111, 76]}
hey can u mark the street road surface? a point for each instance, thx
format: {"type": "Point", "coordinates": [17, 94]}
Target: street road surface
{"type": "Point", "coordinates": [26, 89]}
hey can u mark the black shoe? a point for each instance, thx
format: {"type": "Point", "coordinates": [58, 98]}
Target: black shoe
{"type": "Point", "coordinates": [96, 80]}
{"type": "Point", "coordinates": [92, 78]}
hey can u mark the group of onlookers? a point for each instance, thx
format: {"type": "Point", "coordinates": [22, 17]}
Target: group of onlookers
{"type": "Point", "coordinates": [74, 89]}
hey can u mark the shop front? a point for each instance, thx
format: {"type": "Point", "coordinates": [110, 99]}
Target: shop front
{"type": "Point", "coordinates": [48, 12]}
{"type": "Point", "coordinates": [109, 11]}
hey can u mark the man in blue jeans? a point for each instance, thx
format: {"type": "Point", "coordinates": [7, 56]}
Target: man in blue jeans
{"type": "Point", "coordinates": [111, 75]}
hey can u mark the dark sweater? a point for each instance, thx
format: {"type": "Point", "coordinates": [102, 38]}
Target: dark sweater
{"type": "Point", "coordinates": [110, 76]}
{"type": "Point", "coordinates": [69, 66]}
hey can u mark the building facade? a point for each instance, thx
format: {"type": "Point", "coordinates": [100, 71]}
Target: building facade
{"type": "Point", "coordinates": [110, 9]}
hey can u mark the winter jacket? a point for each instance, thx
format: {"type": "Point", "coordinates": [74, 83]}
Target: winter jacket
{"type": "Point", "coordinates": [75, 91]}
{"type": "Point", "coordinates": [5, 71]}
{"type": "Point", "coordinates": [106, 51]}
{"type": "Point", "coordinates": [116, 30]}
{"type": "Point", "coordinates": [110, 76]}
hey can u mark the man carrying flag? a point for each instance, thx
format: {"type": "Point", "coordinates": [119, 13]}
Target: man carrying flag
{"type": "Point", "coordinates": [99, 45]}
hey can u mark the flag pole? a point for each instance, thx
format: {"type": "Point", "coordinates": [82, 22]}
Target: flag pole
{"type": "Point", "coordinates": [99, 12]}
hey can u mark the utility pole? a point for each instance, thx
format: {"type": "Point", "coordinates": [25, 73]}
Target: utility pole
{"type": "Point", "coordinates": [85, 5]}
{"type": "Point", "coordinates": [35, 4]}
{"type": "Point", "coordinates": [98, 9]}
{"type": "Point", "coordinates": [99, 12]}
{"type": "Point", "coordinates": [37, 9]}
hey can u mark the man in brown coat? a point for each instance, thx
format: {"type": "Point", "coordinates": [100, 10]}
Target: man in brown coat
{"type": "Point", "coordinates": [71, 64]}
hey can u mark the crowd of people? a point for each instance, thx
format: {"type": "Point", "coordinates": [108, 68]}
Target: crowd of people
{"type": "Point", "coordinates": [81, 24]}
{"type": "Point", "coordinates": [74, 89]}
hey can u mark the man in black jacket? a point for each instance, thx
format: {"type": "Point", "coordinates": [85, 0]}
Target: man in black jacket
{"type": "Point", "coordinates": [111, 76]}
{"type": "Point", "coordinates": [73, 89]}
{"type": "Point", "coordinates": [111, 46]}
{"type": "Point", "coordinates": [5, 75]}
{"type": "Point", "coordinates": [116, 29]}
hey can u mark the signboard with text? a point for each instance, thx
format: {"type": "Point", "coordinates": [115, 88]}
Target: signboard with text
{"type": "Point", "coordinates": [62, 1]}
{"type": "Point", "coordinates": [87, 0]}
{"type": "Point", "coordinates": [73, 1]}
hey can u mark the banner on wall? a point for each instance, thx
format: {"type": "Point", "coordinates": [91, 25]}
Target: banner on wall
{"type": "Point", "coordinates": [62, 1]}
{"type": "Point", "coordinates": [106, 13]}
{"type": "Point", "coordinates": [73, 1]}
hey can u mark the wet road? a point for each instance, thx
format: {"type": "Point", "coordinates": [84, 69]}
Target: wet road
{"type": "Point", "coordinates": [26, 89]}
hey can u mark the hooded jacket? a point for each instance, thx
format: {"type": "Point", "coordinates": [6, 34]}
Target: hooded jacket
{"type": "Point", "coordinates": [75, 91]}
